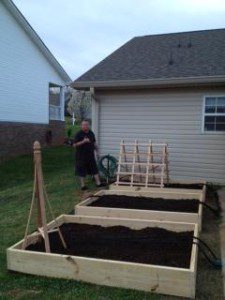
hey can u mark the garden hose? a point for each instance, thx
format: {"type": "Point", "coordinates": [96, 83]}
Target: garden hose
{"type": "Point", "coordinates": [107, 166]}
{"type": "Point", "coordinates": [214, 210]}
{"type": "Point", "coordinates": [210, 256]}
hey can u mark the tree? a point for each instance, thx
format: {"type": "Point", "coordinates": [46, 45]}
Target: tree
{"type": "Point", "coordinates": [79, 104]}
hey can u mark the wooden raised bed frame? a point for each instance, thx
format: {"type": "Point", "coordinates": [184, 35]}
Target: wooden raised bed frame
{"type": "Point", "coordinates": [84, 208]}
{"type": "Point", "coordinates": [158, 279]}
{"type": "Point", "coordinates": [140, 186]}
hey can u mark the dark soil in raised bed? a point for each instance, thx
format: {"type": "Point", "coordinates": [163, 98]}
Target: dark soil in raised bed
{"type": "Point", "coordinates": [197, 186]}
{"type": "Point", "coordinates": [149, 245]}
{"type": "Point", "coordinates": [145, 203]}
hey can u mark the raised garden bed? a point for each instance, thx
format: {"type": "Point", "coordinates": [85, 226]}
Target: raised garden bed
{"type": "Point", "coordinates": [159, 205]}
{"type": "Point", "coordinates": [146, 255]}
{"type": "Point", "coordinates": [184, 186]}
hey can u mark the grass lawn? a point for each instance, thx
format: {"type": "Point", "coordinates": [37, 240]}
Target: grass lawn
{"type": "Point", "coordinates": [16, 178]}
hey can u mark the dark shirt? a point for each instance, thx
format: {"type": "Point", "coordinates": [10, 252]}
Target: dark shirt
{"type": "Point", "coordinates": [85, 152]}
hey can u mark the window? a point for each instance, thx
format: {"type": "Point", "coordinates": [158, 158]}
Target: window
{"type": "Point", "coordinates": [56, 105]}
{"type": "Point", "coordinates": [214, 113]}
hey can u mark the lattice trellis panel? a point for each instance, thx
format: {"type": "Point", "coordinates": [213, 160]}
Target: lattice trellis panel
{"type": "Point", "coordinates": [144, 164]}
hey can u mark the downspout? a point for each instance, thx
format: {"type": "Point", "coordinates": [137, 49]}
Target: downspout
{"type": "Point", "coordinates": [94, 114]}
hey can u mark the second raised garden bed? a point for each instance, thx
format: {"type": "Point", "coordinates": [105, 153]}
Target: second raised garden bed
{"type": "Point", "coordinates": [160, 205]}
{"type": "Point", "coordinates": [153, 256]}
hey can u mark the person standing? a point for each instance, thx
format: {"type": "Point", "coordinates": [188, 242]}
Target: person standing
{"type": "Point", "coordinates": [85, 162]}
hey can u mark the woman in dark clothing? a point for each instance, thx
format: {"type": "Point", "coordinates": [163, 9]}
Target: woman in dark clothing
{"type": "Point", "coordinates": [85, 163]}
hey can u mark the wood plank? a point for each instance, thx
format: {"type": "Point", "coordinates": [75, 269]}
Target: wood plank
{"type": "Point", "coordinates": [201, 199]}
{"type": "Point", "coordinates": [146, 144]}
{"type": "Point", "coordinates": [107, 212]}
{"type": "Point", "coordinates": [131, 223]}
{"type": "Point", "coordinates": [157, 279]}
{"type": "Point", "coordinates": [137, 173]}
{"type": "Point", "coordinates": [143, 164]}
{"type": "Point", "coordinates": [194, 263]}
{"type": "Point", "coordinates": [154, 193]}
{"type": "Point", "coordinates": [140, 187]}
{"type": "Point", "coordinates": [121, 183]}
{"type": "Point", "coordinates": [143, 154]}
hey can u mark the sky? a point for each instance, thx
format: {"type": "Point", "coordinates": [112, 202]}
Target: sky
{"type": "Point", "coordinates": [82, 33]}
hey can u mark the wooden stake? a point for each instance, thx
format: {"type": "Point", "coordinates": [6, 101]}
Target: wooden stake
{"type": "Point", "coordinates": [42, 224]}
{"type": "Point", "coordinates": [163, 167]}
{"type": "Point", "coordinates": [139, 162]}
{"type": "Point", "coordinates": [167, 165]}
{"type": "Point", "coordinates": [119, 162]}
{"type": "Point", "coordinates": [147, 166]}
{"type": "Point", "coordinates": [133, 163]}
{"type": "Point", "coordinates": [40, 194]}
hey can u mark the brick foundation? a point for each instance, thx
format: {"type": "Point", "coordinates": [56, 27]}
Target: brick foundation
{"type": "Point", "coordinates": [18, 138]}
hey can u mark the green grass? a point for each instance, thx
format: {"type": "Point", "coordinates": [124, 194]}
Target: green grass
{"type": "Point", "coordinates": [16, 179]}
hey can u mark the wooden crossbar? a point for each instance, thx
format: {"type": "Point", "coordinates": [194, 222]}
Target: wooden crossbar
{"type": "Point", "coordinates": [143, 144]}
{"type": "Point", "coordinates": [142, 174]}
{"type": "Point", "coordinates": [142, 154]}
{"type": "Point", "coordinates": [143, 164]}
{"type": "Point", "coordinates": [152, 164]}
{"type": "Point", "coordinates": [139, 184]}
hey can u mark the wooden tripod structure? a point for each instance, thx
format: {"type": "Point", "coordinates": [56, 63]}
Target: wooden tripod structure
{"type": "Point", "coordinates": [40, 194]}
{"type": "Point", "coordinates": [145, 167]}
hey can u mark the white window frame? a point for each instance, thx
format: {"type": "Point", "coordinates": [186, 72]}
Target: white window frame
{"type": "Point", "coordinates": [204, 114]}
{"type": "Point", "coordinates": [60, 107]}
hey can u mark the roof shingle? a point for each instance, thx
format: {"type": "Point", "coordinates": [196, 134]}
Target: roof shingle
{"type": "Point", "coordinates": [175, 55]}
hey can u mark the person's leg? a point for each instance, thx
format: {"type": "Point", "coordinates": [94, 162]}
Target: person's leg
{"type": "Point", "coordinates": [81, 173]}
{"type": "Point", "coordinates": [97, 179]}
{"type": "Point", "coordinates": [82, 183]}
{"type": "Point", "coordinates": [93, 170]}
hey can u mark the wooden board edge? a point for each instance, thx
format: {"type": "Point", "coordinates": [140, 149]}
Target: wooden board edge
{"type": "Point", "coordinates": [151, 278]}
{"type": "Point", "coordinates": [131, 223]}
{"type": "Point", "coordinates": [138, 214]}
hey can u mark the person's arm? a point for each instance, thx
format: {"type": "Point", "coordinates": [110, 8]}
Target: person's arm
{"type": "Point", "coordinates": [80, 143]}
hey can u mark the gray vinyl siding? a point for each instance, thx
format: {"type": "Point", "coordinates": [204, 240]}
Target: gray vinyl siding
{"type": "Point", "coordinates": [174, 117]}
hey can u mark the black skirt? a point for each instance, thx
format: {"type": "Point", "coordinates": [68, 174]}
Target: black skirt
{"type": "Point", "coordinates": [86, 167]}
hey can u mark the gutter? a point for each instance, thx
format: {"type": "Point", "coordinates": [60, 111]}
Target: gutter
{"type": "Point", "coordinates": [145, 83]}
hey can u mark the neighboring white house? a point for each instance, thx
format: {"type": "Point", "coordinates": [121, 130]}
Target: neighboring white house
{"type": "Point", "coordinates": [31, 86]}
{"type": "Point", "coordinates": [165, 88]}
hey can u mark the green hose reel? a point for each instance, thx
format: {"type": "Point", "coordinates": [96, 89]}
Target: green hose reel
{"type": "Point", "coordinates": [107, 166]}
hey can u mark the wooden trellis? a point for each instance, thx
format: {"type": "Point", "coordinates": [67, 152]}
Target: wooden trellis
{"type": "Point", "coordinates": [144, 164]}
{"type": "Point", "coordinates": [40, 194]}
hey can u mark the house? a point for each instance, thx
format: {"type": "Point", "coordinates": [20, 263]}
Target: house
{"type": "Point", "coordinates": [32, 85]}
{"type": "Point", "coordinates": [167, 87]}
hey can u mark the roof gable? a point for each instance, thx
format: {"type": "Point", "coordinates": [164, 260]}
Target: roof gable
{"type": "Point", "coordinates": [164, 56]}
{"type": "Point", "coordinates": [36, 39]}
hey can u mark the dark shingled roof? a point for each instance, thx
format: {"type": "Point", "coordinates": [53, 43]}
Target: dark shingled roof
{"type": "Point", "coordinates": [163, 56]}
